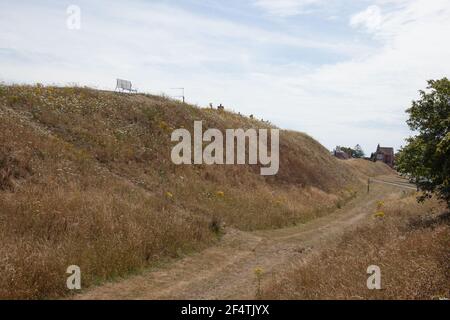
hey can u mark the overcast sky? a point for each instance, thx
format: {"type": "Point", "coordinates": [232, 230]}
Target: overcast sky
{"type": "Point", "coordinates": [342, 71]}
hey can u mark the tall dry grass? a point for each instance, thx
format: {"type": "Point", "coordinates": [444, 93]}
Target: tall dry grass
{"type": "Point", "coordinates": [86, 179]}
{"type": "Point", "coordinates": [410, 244]}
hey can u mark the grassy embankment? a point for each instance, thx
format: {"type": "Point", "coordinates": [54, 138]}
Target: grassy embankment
{"type": "Point", "coordinates": [86, 179]}
{"type": "Point", "coordinates": [409, 242]}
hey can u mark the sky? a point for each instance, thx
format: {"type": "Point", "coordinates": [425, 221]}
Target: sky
{"type": "Point", "coordinates": [342, 71]}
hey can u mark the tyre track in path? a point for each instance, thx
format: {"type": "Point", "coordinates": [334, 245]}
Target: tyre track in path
{"type": "Point", "coordinates": [226, 270]}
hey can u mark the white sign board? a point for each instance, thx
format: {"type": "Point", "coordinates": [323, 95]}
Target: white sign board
{"type": "Point", "coordinates": [124, 85]}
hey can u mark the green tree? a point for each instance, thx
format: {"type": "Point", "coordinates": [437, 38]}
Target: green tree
{"type": "Point", "coordinates": [358, 152]}
{"type": "Point", "coordinates": [347, 150]}
{"type": "Point", "coordinates": [426, 157]}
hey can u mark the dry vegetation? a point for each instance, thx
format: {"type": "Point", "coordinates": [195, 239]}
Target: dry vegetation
{"type": "Point", "coordinates": [86, 179]}
{"type": "Point", "coordinates": [375, 169]}
{"type": "Point", "coordinates": [410, 243]}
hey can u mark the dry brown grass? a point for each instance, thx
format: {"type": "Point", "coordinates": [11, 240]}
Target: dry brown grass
{"type": "Point", "coordinates": [368, 168]}
{"type": "Point", "coordinates": [410, 244]}
{"type": "Point", "coordinates": [71, 211]}
{"type": "Point", "coordinates": [85, 177]}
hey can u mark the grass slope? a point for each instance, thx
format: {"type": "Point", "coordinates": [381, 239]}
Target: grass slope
{"type": "Point", "coordinates": [86, 179]}
{"type": "Point", "coordinates": [407, 240]}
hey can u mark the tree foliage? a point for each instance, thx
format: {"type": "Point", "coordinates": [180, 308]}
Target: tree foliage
{"type": "Point", "coordinates": [426, 157]}
{"type": "Point", "coordinates": [356, 152]}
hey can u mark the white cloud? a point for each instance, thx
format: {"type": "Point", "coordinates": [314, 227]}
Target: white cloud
{"type": "Point", "coordinates": [360, 99]}
{"type": "Point", "coordinates": [286, 8]}
{"type": "Point", "coordinates": [370, 18]}
{"type": "Point", "coordinates": [337, 103]}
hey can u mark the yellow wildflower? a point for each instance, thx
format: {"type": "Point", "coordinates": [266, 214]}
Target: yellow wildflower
{"type": "Point", "coordinates": [379, 214]}
{"type": "Point", "coordinates": [169, 195]}
{"type": "Point", "coordinates": [220, 194]}
{"type": "Point", "coordinates": [380, 205]}
{"type": "Point", "coordinates": [258, 272]}
{"type": "Point", "coordinates": [164, 126]}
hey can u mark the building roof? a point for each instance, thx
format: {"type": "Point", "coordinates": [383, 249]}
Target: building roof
{"type": "Point", "coordinates": [385, 150]}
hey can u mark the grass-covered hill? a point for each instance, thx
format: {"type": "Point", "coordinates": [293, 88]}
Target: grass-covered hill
{"type": "Point", "coordinates": [86, 178]}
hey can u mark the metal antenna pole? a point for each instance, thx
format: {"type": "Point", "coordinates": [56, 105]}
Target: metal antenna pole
{"type": "Point", "coordinates": [182, 96]}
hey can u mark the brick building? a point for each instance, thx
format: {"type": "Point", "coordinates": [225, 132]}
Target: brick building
{"type": "Point", "coordinates": [384, 154]}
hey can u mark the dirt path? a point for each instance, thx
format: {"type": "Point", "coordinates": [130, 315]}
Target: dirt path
{"type": "Point", "coordinates": [226, 271]}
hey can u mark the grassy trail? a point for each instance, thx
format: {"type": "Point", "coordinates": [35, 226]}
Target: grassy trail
{"type": "Point", "coordinates": [226, 271]}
